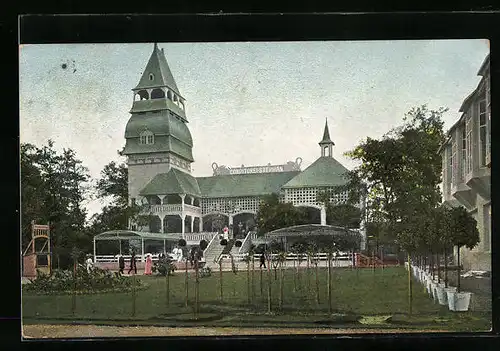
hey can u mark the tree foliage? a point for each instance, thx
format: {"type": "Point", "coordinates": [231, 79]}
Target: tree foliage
{"type": "Point", "coordinates": [54, 186]}
{"type": "Point", "coordinates": [273, 214]}
{"type": "Point", "coordinates": [401, 174]}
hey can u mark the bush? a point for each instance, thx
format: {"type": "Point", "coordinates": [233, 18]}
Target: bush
{"type": "Point", "coordinates": [238, 243]}
{"type": "Point", "coordinates": [98, 280]}
{"type": "Point", "coordinates": [223, 242]}
{"type": "Point", "coordinates": [163, 266]}
{"type": "Point", "coordinates": [182, 243]}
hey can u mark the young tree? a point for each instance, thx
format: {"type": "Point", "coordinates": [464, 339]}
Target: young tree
{"type": "Point", "coordinates": [464, 233]}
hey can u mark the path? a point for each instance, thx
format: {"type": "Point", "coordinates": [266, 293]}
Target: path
{"type": "Point", "coordinates": [93, 331]}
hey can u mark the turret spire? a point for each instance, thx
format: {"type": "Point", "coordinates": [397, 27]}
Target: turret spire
{"type": "Point", "coordinates": [326, 143]}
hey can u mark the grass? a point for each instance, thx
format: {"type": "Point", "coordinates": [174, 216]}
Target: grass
{"type": "Point", "coordinates": [360, 298]}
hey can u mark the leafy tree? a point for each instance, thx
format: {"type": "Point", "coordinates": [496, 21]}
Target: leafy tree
{"type": "Point", "coordinates": [401, 172]}
{"type": "Point", "coordinates": [53, 188]}
{"type": "Point", "coordinates": [273, 214]}
{"type": "Point", "coordinates": [464, 233]}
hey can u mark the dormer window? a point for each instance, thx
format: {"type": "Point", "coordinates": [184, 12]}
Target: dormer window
{"type": "Point", "coordinates": [147, 138]}
{"type": "Point", "coordinates": [151, 76]}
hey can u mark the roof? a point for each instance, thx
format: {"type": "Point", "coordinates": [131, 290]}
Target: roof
{"type": "Point", "coordinates": [325, 171]}
{"type": "Point", "coordinates": [158, 66]}
{"type": "Point", "coordinates": [484, 66]}
{"type": "Point", "coordinates": [326, 136]}
{"type": "Point", "coordinates": [129, 234]}
{"type": "Point", "coordinates": [238, 185]}
{"type": "Point", "coordinates": [172, 182]}
{"type": "Point", "coordinates": [308, 229]}
{"type": "Point", "coordinates": [171, 134]}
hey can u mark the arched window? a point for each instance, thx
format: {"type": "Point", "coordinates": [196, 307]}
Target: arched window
{"type": "Point", "coordinates": [151, 76]}
{"type": "Point", "coordinates": [157, 94]}
{"type": "Point", "coordinates": [147, 138]}
{"type": "Point", "coordinates": [143, 94]}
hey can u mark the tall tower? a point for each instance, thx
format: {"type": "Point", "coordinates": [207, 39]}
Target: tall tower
{"type": "Point", "coordinates": [326, 144]}
{"type": "Point", "coordinates": [157, 136]}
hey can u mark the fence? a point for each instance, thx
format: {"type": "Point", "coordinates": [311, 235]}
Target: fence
{"type": "Point", "coordinates": [290, 257]}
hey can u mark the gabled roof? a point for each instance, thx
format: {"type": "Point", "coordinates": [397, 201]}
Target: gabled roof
{"type": "Point", "coordinates": [326, 136]}
{"type": "Point", "coordinates": [325, 171]}
{"type": "Point", "coordinates": [158, 66]}
{"type": "Point", "coordinates": [237, 185]}
{"type": "Point", "coordinates": [172, 182]}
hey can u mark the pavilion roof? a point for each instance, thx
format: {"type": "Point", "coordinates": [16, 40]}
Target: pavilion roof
{"type": "Point", "coordinates": [130, 235]}
{"type": "Point", "coordinates": [307, 230]}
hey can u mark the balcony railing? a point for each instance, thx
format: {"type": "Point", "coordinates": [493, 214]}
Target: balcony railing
{"type": "Point", "coordinates": [166, 208]}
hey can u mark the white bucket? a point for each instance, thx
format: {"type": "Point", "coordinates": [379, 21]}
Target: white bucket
{"type": "Point", "coordinates": [441, 295]}
{"type": "Point", "coordinates": [458, 302]}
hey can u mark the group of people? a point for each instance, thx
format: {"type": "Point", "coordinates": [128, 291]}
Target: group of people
{"type": "Point", "coordinates": [148, 266]}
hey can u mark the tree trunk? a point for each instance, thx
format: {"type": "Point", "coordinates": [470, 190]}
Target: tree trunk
{"type": "Point", "coordinates": [248, 281]}
{"type": "Point", "coordinates": [308, 273]}
{"type": "Point", "coordinates": [410, 302]}
{"type": "Point", "coordinates": [295, 268]}
{"type": "Point", "coordinates": [269, 287]}
{"type": "Point", "coordinates": [458, 270]}
{"type": "Point", "coordinates": [133, 295]}
{"type": "Point", "coordinates": [445, 269]}
{"type": "Point", "coordinates": [261, 284]}
{"type": "Point", "coordinates": [253, 280]}
{"type": "Point", "coordinates": [317, 284]}
{"type": "Point", "coordinates": [281, 286]}
{"type": "Point", "coordinates": [73, 300]}
{"type": "Point", "coordinates": [167, 287]}
{"type": "Point", "coordinates": [197, 292]}
{"type": "Point", "coordinates": [438, 268]}
{"type": "Point", "coordinates": [329, 284]}
{"type": "Point", "coordinates": [220, 281]}
{"type": "Point", "coordinates": [186, 284]}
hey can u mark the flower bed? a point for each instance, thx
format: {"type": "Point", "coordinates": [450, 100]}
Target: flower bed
{"type": "Point", "coordinates": [97, 281]}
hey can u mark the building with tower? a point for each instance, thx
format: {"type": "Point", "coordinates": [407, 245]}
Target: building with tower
{"type": "Point", "coordinates": [159, 156]}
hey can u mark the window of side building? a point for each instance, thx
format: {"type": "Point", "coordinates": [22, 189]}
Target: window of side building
{"type": "Point", "coordinates": [468, 127]}
{"type": "Point", "coordinates": [463, 163]}
{"type": "Point", "coordinates": [483, 131]}
{"type": "Point", "coordinates": [454, 162]}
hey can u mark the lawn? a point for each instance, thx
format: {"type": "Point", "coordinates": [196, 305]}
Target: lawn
{"type": "Point", "coordinates": [359, 298]}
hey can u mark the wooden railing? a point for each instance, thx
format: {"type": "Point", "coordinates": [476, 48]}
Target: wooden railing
{"type": "Point", "coordinates": [166, 208]}
{"type": "Point", "coordinates": [197, 237]}
{"type": "Point", "coordinates": [290, 257]}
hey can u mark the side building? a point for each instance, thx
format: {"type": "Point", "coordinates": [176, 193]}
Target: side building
{"type": "Point", "coordinates": [466, 167]}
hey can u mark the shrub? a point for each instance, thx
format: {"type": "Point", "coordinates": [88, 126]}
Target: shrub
{"type": "Point", "coordinates": [98, 280]}
{"type": "Point", "coordinates": [163, 266]}
{"type": "Point", "coordinates": [238, 243]}
{"type": "Point", "coordinates": [223, 242]}
{"type": "Point", "coordinates": [182, 243]}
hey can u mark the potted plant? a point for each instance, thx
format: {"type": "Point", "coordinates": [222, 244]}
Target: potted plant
{"type": "Point", "coordinates": [464, 232]}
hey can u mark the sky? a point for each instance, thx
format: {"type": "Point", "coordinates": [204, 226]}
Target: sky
{"type": "Point", "coordinates": [247, 103]}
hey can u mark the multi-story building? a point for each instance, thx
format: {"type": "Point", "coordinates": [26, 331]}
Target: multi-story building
{"type": "Point", "coordinates": [466, 167]}
{"type": "Point", "coordinates": [159, 156]}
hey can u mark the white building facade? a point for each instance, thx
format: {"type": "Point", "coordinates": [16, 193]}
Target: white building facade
{"type": "Point", "coordinates": [466, 167]}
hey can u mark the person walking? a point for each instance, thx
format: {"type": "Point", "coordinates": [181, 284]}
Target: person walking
{"type": "Point", "coordinates": [121, 264]}
{"type": "Point", "coordinates": [133, 265]}
{"type": "Point", "coordinates": [262, 261]}
{"type": "Point", "coordinates": [148, 265]}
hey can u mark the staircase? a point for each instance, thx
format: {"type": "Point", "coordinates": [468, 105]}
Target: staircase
{"type": "Point", "coordinates": [212, 252]}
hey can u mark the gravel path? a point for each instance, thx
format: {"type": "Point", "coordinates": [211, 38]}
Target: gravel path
{"type": "Point", "coordinates": [93, 331]}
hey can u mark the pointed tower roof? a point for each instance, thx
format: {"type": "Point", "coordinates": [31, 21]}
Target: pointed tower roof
{"type": "Point", "coordinates": [326, 136]}
{"type": "Point", "coordinates": [161, 74]}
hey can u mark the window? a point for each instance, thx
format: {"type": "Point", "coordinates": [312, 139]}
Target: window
{"type": "Point", "coordinates": [147, 138]}
{"type": "Point", "coordinates": [151, 76]}
{"type": "Point", "coordinates": [454, 168]}
{"type": "Point", "coordinates": [468, 130]}
{"type": "Point", "coordinates": [483, 132]}
{"type": "Point", "coordinates": [463, 162]}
